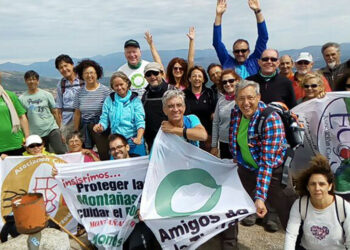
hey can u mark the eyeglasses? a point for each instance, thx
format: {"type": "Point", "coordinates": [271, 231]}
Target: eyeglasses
{"type": "Point", "coordinates": [35, 145]}
{"type": "Point", "coordinates": [313, 86]}
{"type": "Point", "coordinates": [116, 148]}
{"type": "Point", "coordinates": [224, 82]}
{"type": "Point", "coordinates": [151, 72]}
{"type": "Point", "coordinates": [266, 59]}
{"type": "Point", "coordinates": [303, 62]}
{"type": "Point", "coordinates": [237, 51]}
{"type": "Point", "coordinates": [178, 69]}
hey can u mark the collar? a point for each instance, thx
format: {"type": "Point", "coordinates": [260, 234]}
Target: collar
{"type": "Point", "coordinates": [138, 65]}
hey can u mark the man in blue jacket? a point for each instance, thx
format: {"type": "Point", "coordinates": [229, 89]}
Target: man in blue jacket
{"type": "Point", "coordinates": [245, 66]}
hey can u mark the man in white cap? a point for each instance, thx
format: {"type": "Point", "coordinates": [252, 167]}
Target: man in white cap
{"type": "Point", "coordinates": [152, 101]}
{"type": "Point", "coordinates": [134, 67]}
{"type": "Point", "coordinates": [304, 64]}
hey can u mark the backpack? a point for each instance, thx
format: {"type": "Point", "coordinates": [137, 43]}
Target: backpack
{"type": "Point", "coordinates": [339, 208]}
{"type": "Point", "coordinates": [293, 129]}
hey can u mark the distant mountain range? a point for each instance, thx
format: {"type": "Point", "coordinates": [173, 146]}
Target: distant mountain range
{"type": "Point", "coordinates": [13, 72]}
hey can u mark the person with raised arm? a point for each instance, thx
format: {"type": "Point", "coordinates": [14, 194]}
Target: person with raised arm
{"type": "Point", "coordinates": [176, 73]}
{"type": "Point", "coordinates": [242, 63]}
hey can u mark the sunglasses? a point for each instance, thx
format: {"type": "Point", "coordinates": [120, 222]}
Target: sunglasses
{"type": "Point", "coordinates": [151, 72]}
{"type": "Point", "coordinates": [303, 62]}
{"type": "Point", "coordinates": [178, 69]}
{"type": "Point", "coordinates": [237, 51]}
{"type": "Point", "coordinates": [35, 145]}
{"type": "Point", "coordinates": [313, 86]}
{"type": "Point", "coordinates": [224, 82]}
{"type": "Point", "coordinates": [266, 59]}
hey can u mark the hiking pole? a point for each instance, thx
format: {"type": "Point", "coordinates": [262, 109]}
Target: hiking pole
{"type": "Point", "coordinates": [69, 233]}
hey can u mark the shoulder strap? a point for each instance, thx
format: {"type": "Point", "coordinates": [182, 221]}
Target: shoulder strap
{"type": "Point", "coordinates": [303, 206]}
{"type": "Point", "coordinates": [262, 118]}
{"type": "Point", "coordinates": [63, 85]}
{"type": "Point", "coordinates": [340, 210]}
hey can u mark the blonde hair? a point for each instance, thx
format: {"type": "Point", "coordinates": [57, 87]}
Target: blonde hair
{"type": "Point", "coordinates": [312, 75]}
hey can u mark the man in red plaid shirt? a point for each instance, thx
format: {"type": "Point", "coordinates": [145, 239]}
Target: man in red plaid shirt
{"type": "Point", "coordinates": [259, 158]}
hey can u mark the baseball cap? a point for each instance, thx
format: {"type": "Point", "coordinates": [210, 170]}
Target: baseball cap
{"type": "Point", "coordinates": [154, 66]}
{"type": "Point", "coordinates": [132, 43]}
{"type": "Point", "coordinates": [304, 56]}
{"type": "Point", "coordinates": [33, 139]}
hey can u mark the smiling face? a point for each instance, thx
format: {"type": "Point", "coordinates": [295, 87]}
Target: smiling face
{"type": "Point", "coordinates": [196, 78]}
{"type": "Point", "coordinates": [132, 55]}
{"type": "Point", "coordinates": [247, 100]}
{"type": "Point", "coordinates": [35, 149]}
{"type": "Point", "coordinates": [118, 149]}
{"type": "Point", "coordinates": [75, 144]}
{"type": "Point", "coordinates": [66, 69]}
{"type": "Point", "coordinates": [174, 109]}
{"type": "Point", "coordinates": [312, 87]}
{"type": "Point", "coordinates": [268, 62]}
{"type": "Point", "coordinates": [32, 84]}
{"type": "Point", "coordinates": [178, 70]}
{"type": "Point", "coordinates": [286, 65]}
{"type": "Point", "coordinates": [120, 86]}
{"type": "Point", "coordinates": [331, 55]}
{"type": "Point", "coordinates": [90, 75]}
{"type": "Point", "coordinates": [318, 187]}
{"type": "Point", "coordinates": [229, 82]}
{"type": "Point", "coordinates": [304, 66]}
{"type": "Point", "coordinates": [215, 74]}
{"type": "Point", "coordinates": [241, 52]}
{"type": "Point", "coordinates": [154, 78]}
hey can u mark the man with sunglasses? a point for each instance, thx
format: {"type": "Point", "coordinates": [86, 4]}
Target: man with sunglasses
{"type": "Point", "coordinates": [273, 86]}
{"type": "Point", "coordinates": [245, 66]}
{"type": "Point", "coordinates": [134, 67]}
{"type": "Point", "coordinates": [304, 64]}
{"type": "Point", "coordinates": [152, 101]}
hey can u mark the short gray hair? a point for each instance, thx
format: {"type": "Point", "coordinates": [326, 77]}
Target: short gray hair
{"type": "Point", "coordinates": [246, 83]}
{"type": "Point", "coordinates": [330, 44]}
{"type": "Point", "coordinates": [171, 93]}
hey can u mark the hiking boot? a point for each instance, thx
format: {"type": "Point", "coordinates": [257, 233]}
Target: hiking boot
{"type": "Point", "coordinates": [249, 220]}
{"type": "Point", "coordinates": [271, 222]}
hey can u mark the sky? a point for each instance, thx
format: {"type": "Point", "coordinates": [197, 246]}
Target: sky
{"type": "Point", "coordinates": [39, 30]}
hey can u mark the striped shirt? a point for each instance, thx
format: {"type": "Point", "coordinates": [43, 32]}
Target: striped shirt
{"type": "Point", "coordinates": [90, 102]}
{"type": "Point", "coordinates": [268, 151]}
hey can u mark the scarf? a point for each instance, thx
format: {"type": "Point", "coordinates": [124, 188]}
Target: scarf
{"type": "Point", "coordinates": [119, 103]}
{"type": "Point", "coordinates": [16, 126]}
{"type": "Point", "coordinates": [230, 97]}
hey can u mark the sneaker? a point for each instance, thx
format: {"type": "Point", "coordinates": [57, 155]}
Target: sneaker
{"type": "Point", "coordinates": [271, 226]}
{"type": "Point", "coordinates": [249, 220]}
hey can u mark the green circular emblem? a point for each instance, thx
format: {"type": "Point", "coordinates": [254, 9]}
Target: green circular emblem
{"type": "Point", "coordinates": [137, 81]}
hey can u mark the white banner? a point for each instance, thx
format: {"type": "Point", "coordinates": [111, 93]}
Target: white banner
{"type": "Point", "coordinates": [190, 195]}
{"type": "Point", "coordinates": [104, 197]}
{"type": "Point", "coordinates": [327, 130]}
{"type": "Point", "coordinates": [27, 174]}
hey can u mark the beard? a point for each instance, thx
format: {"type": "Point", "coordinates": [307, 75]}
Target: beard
{"type": "Point", "coordinates": [332, 65]}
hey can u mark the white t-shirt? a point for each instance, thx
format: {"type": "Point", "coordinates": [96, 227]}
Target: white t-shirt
{"type": "Point", "coordinates": [321, 228]}
{"type": "Point", "coordinates": [138, 81]}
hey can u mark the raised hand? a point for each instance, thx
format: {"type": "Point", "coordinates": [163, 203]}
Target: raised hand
{"type": "Point", "coordinates": [254, 4]}
{"type": "Point", "coordinates": [221, 7]}
{"type": "Point", "coordinates": [191, 33]}
{"type": "Point", "coordinates": [148, 37]}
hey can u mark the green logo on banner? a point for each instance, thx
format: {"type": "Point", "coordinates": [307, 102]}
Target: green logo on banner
{"type": "Point", "coordinates": [138, 81]}
{"type": "Point", "coordinates": [179, 178]}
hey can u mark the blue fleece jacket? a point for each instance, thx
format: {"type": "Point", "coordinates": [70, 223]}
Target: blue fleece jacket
{"type": "Point", "coordinates": [125, 121]}
{"type": "Point", "coordinates": [251, 64]}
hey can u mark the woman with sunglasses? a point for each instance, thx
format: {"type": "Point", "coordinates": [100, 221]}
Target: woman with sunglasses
{"type": "Point", "coordinates": [313, 86]}
{"type": "Point", "coordinates": [200, 101]}
{"type": "Point", "coordinates": [222, 115]}
{"type": "Point", "coordinates": [123, 113]}
{"type": "Point", "coordinates": [176, 73]}
{"type": "Point", "coordinates": [34, 146]}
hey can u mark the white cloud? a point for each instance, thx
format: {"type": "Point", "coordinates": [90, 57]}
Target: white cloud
{"type": "Point", "coordinates": [32, 30]}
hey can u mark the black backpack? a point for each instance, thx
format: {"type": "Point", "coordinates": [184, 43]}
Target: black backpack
{"type": "Point", "coordinates": [293, 129]}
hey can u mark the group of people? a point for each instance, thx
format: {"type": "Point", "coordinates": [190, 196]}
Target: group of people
{"type": "Point", "coordinates": [122, 120]}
